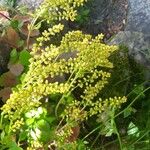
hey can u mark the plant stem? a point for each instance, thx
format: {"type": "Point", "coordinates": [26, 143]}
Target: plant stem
{"type": "Point", "coordinates": [31, 28]}
{"type": "Point", "coordinates": [131, 102]}
{"type": "Point", "coordinates": [69, 91]}
{"type": "Point", "coordinates": [147, 132]}
{"type": "Point", "coordinates": [115, 129]}
{"type": "Point", "coordinates": [1, 14]}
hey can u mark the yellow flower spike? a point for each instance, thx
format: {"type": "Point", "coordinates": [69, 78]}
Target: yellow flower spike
{"type": "Point", "coordinates": [90, 54]}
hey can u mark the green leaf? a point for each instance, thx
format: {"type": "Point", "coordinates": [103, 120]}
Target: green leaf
{"type": "Point", "coordinates": [38, 26]}
{"type": "Point", "coordinates": [110, 132]}
{"type": "Point", "coordinates": [139, 90]}
{"type": "Point", "coordinates": [85, 12]}
{"type": "Point", "coordinates": [7, 128]}
{"type": "Point", "coordinates": [20, 43]}
{"type": "Point", "coordinates": [128, 111]}
{"type": "Point", "coordinates": [45, 136]}
{"type": "Point", "coordinates": [133, 130]}
{"type": "Point", "coordinates": [30, 121]}
{"type": "Point", "coordinates": [69, 98]}
{"type": "Point", "coordinates": [10, 3]}
{"type": "Point", "coordinates": [22, 136]}
{"type": "Point", "coordinates": [43, 125]}
{"type": "Point", "coordinates": [12, 145]}
{"type": "Point", "coordinates": [54, 97]}
{"type": "Point", "coordinates": [22, 77]}
{"type": "Point", "coordinates": [24, 57]}
{"type": "Point", "coordinates": [81, 145]}
{"type": "Point", "coordinates": [13, 56]}
{"type": "Point", "coordinates": [14, 24]}
{"type": "Point", "coordinates": [13, 53]}
{"type": "Point", "coordinates": [46, 131]}
{"type": "Point", "coordinates": [2, 135]}
{"type": "Point", "coordinates": [50, 119]}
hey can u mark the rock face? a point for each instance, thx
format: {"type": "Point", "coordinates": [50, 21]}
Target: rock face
{"type": "Point", "coordinates": [106, 16]}
{"type": "Point", "coordinates": [138, 44]}
{"type": "Point", "coordinates": [137, 31]}
{"type": "Point", "coordinates": [139, 16]}
{"type": "Point", "coordinates": [31, 4]}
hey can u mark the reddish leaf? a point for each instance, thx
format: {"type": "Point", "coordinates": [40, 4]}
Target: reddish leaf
{"type": "Point", "coordinates": [9, 79]}
{"type": "Point", "coordinates": [75, 134]}
{"type": "Point", "coordinates": [12, 37]}
{"type": "Point", "coordinates": [16, 69]}
{"type": "Point", "coordinates": [5, 93]}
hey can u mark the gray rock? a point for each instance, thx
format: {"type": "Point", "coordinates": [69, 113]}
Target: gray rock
{"type": "Point", "coordinates": [31, 4]}
{"type": "Point", "coordinates": [138, 16]}
{"type": "Point", "coordinates": [138, 44]}
{"type": "Point", "coordinates": [106, 16]}
{"type": "Point", "coordinates": [137, 32]}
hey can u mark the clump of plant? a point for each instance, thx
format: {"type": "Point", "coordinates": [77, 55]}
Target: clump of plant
{"type": "Point", "coordinates": [83, 16]}
{"type": "Point", "coordinates": [83, 73]}
{"type": "Point", "coordinates": [132, 121]}
{"type": "Point", "coordinates": [44, 112]}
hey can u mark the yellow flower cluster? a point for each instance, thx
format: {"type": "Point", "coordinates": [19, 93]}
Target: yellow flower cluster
{"type": "Point", "coordinates": [35, 145]}
{"type": "Point", "coordinates": [46, 36]}
{"type": "Point", "coordinates": [92, 88]}
{"type": "Point", "coordinates": [74, 112]}
{"type": "Point", "coordinates": [17, 125]}
{"type": "Point", "coordinates": [101, 105]}
{"type": "Point", "coordinates": [78, 55]}
{"type": "Point", "coordinates": [53, 10]}
{"type": "Point", "coordinates": [63, 134]}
